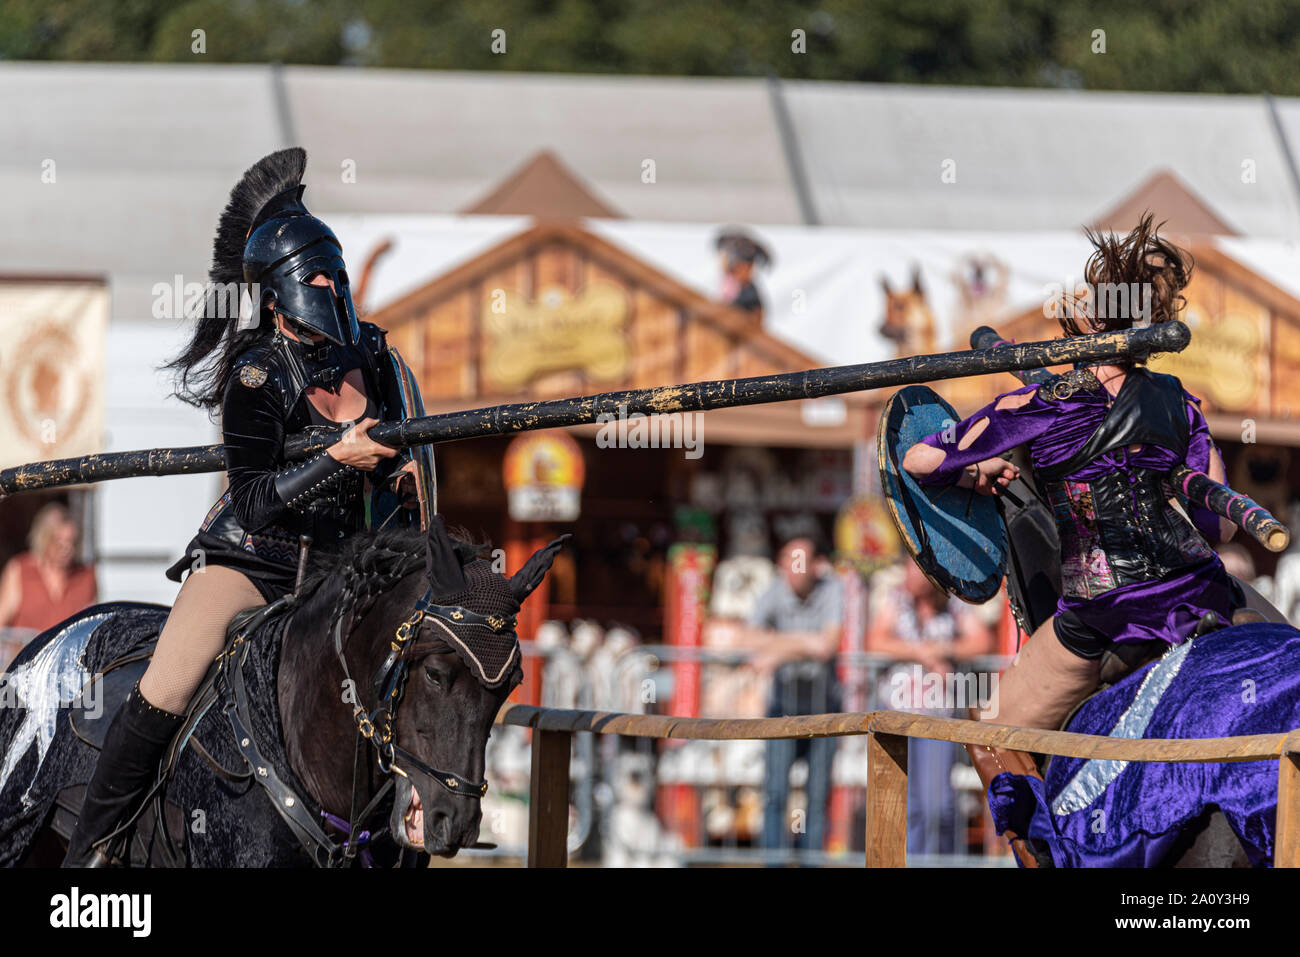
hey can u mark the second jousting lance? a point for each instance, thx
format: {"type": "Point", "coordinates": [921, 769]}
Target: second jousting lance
{"type": "Point", "coordinates": [1198, 487]}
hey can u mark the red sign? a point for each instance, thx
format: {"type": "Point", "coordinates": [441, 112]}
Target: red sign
{"type": "Point", "coordinates": [690, 568]}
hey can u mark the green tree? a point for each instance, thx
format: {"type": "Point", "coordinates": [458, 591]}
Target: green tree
{"type": "Point", "coordinates": [1213, 46]}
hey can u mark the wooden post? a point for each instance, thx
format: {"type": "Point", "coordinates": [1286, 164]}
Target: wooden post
{"type": "Point", "coordinates": [1286, 847]}
{"type": "Point", "coordinates": [548, 800]}
{"type": "Point", "coordinates": [886, 800]}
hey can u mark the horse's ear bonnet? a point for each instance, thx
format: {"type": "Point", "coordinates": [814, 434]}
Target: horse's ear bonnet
{"type": "Point", "coordinates": [442, 563]}
{"type": "Point", "coordinates": [460, 581]}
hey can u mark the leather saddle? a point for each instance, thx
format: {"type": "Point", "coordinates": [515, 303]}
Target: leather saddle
{"type": "Point", "coordinates": [1121, 660]}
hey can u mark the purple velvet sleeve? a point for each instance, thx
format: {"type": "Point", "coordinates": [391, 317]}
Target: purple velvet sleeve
{"type": "Point", "coordinates": [1006, 429]}
{"type": "Point", "coordinates": [1200, 452]}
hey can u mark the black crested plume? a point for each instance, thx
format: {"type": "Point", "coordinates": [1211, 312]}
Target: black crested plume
{"type": "Point", "coordinates": [204, 366]}
{"type": "Point", "coordinates": [266, 178]}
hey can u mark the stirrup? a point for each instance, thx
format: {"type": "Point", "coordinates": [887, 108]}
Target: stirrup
{"type": "Point", "coordinates": [99, 859]}
{"type": "Point", "coordinates": [102, 855]}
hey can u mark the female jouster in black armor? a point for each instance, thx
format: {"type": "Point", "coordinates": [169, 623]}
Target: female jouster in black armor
{"type": "Point", "coordinates": [307, 363]}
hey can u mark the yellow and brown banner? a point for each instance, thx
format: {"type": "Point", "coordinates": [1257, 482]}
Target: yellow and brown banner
{"type": "Point", "coordinates": [51, 369]}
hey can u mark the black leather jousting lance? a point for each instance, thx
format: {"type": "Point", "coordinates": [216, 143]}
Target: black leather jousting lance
{"type": "Point", "coordinates": [1196, 486]}
{"type": "Point", "coordinates": [691, 397]}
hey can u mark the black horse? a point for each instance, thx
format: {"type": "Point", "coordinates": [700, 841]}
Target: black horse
{"type": "Point", "coordinates": [346, 725]}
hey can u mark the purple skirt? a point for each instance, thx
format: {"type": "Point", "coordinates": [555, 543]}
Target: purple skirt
{"type": "Point", "coordinates": [1167, 609]}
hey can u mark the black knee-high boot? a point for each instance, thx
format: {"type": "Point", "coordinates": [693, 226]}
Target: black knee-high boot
{"type": "Point", "coordinates": [126, 769]}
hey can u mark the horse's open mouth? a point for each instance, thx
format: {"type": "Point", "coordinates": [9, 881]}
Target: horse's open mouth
{"type": "Point", "coordinates": [413, 834]}
{"type": "Point", "coordinates": [413, 820]}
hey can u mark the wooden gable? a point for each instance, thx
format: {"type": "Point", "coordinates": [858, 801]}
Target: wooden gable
{"type": "Point", "coordinates": [546, 188]}
{"type": "Point", "coordinates": [1174, 204]}
{"type": "Point", "coordinates": [558, 311]}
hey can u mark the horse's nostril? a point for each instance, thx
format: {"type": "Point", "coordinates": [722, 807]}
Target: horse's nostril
{"type": "Point", "coordinates": [440, 827]}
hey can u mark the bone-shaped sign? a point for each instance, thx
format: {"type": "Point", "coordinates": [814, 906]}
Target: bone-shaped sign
{"type": "Point", "coordinates": [556, 332]}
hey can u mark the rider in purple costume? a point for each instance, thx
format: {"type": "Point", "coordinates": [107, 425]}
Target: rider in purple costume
{"type": "Point", "coordinates": [1102, 440]}
{"type": "Point", "coordinates": [1097, 606]}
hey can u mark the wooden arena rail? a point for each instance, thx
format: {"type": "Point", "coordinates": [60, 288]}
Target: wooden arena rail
{"type": "Point", "coordinates": [888, 731]}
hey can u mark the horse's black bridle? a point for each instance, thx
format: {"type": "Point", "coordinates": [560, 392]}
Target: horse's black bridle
{"type": "Point", "coordinates": [389, 683]}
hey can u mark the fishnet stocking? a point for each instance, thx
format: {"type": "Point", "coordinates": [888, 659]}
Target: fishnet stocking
{"type": "Point", "coordinates": [194, 634]}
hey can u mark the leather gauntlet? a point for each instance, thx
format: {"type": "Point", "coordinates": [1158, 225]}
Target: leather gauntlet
{"type": "Point", "coordinates": [300, 484]}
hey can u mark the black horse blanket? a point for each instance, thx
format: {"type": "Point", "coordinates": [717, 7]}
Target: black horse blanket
{"type": "Point", "coordinates": [61, 693]}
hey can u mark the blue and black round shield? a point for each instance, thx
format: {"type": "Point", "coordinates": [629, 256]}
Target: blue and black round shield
{"type": "Point", "coordinates": [955, 535]}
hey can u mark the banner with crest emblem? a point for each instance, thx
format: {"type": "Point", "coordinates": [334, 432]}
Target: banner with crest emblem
{"type": "Point", "coordinates": [52, 369]}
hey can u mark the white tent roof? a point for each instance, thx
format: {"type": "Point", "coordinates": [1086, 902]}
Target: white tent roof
{"type": "Point", "coordinates": [1034, 159]}
{"type": "Point", "coordinates": [436, 142]}
{"type": "Point", "coordinates": [144, 154]}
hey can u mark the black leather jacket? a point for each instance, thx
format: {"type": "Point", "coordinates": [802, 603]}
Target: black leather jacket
{"type": "Point", "coordinates": [269, 501]}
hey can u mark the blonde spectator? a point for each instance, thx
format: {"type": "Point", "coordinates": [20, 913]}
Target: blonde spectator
{"type": "Point", "coordinates": [46, 584]}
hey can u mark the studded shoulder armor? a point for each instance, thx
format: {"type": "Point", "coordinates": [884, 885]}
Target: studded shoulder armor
{"type": "Point", "coordinates": [373, 339]}
{"type": "Point", "coordinates": [260, 367]}
{"type": "Point", "coordinates": [266, 367]}
{"type": "Point", "coordinates": [1066, 384]}
{"type": "Point", "coordinates": [273, 364]}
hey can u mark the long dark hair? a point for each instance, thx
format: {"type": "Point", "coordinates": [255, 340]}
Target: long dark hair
{"type": "Point", "coordinates": [204, 366]}
{"type": "Point", "coordinates": [1142, 260]}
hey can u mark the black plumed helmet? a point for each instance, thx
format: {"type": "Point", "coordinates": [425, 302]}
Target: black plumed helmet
{"type": "Point", "coordinates": [267, 237]}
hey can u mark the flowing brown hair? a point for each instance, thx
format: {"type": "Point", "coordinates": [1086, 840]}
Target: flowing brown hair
{"type": "Point", "coordinates": [1142, 261]}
